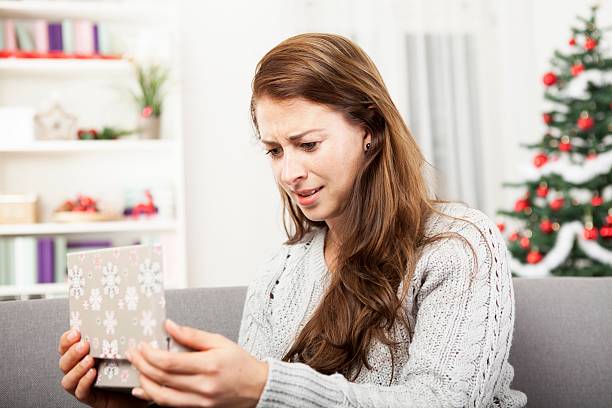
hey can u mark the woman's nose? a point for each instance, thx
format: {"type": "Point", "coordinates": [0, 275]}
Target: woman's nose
{"type": "Point", "coordinates": [293, 170]}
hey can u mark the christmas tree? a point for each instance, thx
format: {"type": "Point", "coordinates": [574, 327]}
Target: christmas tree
{"type": "Point", "coordinates": [562, 223]}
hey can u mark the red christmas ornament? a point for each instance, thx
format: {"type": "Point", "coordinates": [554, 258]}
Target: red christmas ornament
{"type": "Point", "coordinates": [521, 205]}
{"type": "Point", "coordinates": [565, 146]}
{"type": "Point", "coordinates": [542, 191]}
{"type": "Point", "coordinates": [557, 204]}
{"type": "Point", "coordinates": [546, 226]}
{"type": "Point", "coordinates": [585, 123]}
{"type": "Point", "coordinates": [540, 159]}
{"type": "Point", "coordinates": [590, 233]}
{"type": "Point", "coordinates": [147, 111]}
{"type": "Point", "coordinates": [514, 236]}
{"type": "Point", "coordinates": [596, 201]}
{"type": "Point", "coordinates": [589, 44]}
{"type": "Point", "coordinates": [549, 79]}
{"type": "Point", "coordinates": [572, 41]}
{"type": "Point", "coordinates": [609, 219]}
{"type": "Point", "coordinates": [524, 243]}
{"type": "Point", "coordinates": [577, 69]}
{"type": "Point", "coordinates": [534, 257]}
{"type": "Point", "coordinates": [591, 156]}
{"type": "Point", "coordinates": [606, 232]}
{"type": "Point", "coordinates": [501, 226]}
{"type": "Point", "coordinates": [547, 117]}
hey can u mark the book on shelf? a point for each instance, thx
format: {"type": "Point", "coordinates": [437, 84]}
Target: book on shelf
{"type": "Point", "coordinates": [26, 261]}
{"type": "Point", "coordinates": [67, 38]}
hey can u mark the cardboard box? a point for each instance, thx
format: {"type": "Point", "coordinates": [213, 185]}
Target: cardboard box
{"type": "Point", "coordinates": [18, 208]}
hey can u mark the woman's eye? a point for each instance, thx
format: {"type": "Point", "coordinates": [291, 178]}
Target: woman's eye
{"type": "Point", "coordinates": [309, 146]}
{"type": "Point", "coordinates": [273, 152]}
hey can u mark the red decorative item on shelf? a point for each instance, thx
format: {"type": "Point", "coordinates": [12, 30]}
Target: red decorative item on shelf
{"type": "Point", "coordinates": [542, 191]}
{"type": "Point", "coordinates": [147, 208]}
{"type": "Point", "coordinates": [546, 226]}
{"type": "Point", "coordinates": [590, 233]}
{"type": "Point", "coordinates": [609, 219]}
{"type": "Point", "coordinates": [606, 231]}
{"type": "Point", "coordinates": [577, 69]}
{"type": "Point", "coordinates": [572, 41]}
{"type": "Point", "coordinates": [82, 203]}
{"type": "Point", "coordinates": [521, 205]}
{"type": "Point", "coordinates": [501, 226]}
{"type": "Point", "coordinates": [596, 201]}
{"type": "Point", "coordinates": [585, 123]}
{"type": "Point", "coordinates": [524, 242]}
{"type": "Point", "coordinates": [514, 236]}
{"type": "Point", "coordinates": [547, 117]}
{"type": "Point", "coordinates": [557, 204]}
{"type": "Point", "coordinates": [549, 79]}
{"type": "Point", "coordinates": [590, 44]}
{"type": "Point", "coordinates": [534, 257]}
{"type": "Point", "coordinates": [540, 159]}
{"type": "Point", "coordinates": [565, 146]}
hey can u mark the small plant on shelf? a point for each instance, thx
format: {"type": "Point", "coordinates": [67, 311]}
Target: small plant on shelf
{"type": "Point", "coordinates": [151, 83]}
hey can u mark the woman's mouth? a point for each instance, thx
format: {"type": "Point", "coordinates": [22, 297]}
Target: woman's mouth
{"type": "Point", "coordinates": [309, 198]}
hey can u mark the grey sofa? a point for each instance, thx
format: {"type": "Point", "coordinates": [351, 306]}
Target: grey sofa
{"type": "Point", "coordinates": [562, 349]}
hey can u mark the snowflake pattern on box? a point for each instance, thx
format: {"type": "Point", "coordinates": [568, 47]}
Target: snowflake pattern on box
{"type": "Point", "coordinates": [117, 301]}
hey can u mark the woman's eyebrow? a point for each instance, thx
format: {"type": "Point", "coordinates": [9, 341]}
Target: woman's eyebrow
{"type": "Point", "coordinates": [293, 137]}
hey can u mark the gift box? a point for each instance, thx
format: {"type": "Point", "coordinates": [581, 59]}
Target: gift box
{"type": "Point", "coordinates": [18, 208]}
{"type": "Point", "coordinates": [117, 300]}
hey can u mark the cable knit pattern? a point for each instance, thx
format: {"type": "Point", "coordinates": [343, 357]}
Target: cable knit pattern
{"type": "Point", "coordinates": [463, 319]}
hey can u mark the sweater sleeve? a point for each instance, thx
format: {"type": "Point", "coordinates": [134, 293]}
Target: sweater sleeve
{"type": "Point", "coordinates": [461, 339]}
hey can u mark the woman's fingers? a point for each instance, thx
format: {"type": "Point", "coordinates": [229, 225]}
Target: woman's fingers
{"type": "Point", "coordinates": [74, 376]}
{"type": "Point", "coordinates": [83, 389]}
{"type": "Point", "coordinates": [73, 355]}
{"type": "Point", "coordinates": [191, 382]}
{"type": "Point", "coordinates": [169, 397]}
{"type": "Point", "coordinates": [68, 339]}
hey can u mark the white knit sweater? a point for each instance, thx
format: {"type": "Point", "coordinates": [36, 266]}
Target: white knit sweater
{"type": "Point", "coordinates": [458, 356]}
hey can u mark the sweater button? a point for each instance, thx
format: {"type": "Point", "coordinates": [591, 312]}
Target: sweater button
{"type": "Point", "coordinates": [277, 281]}
{"type": "Point", "coordinates": [271, 295]}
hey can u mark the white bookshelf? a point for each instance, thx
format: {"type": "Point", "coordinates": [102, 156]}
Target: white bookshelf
{"type": "Point", "coordinates": [92, 146]}
{"type": "Point", "coordinates": [137, 11]}
{"type": "Point", "coordinates": [48, 290]}
{"type": "Point", "coordinates": [57, 170]}
{"type": "Point", "coordinates": [55, 228]}
{"type": "Point", "coordinates": [23, 66]}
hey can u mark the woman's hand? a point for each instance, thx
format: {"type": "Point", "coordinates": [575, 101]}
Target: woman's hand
{"type": "Point", "coordinates": [219, 373]}
{"type": "Point", "coordinates": [80, 374]}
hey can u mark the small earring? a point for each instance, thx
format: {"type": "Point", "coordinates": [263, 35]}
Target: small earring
{"type": "Point", "coordinates": [368, 146]}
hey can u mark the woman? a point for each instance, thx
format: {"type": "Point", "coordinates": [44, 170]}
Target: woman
{"type": "Point", "coordinates": [381, 296]}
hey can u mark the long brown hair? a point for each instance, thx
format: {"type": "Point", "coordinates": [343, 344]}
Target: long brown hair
{"type": "Point", "coordinates": [389, 202]}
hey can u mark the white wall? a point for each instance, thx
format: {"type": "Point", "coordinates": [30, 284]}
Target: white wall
{"type": "Point", "coordinates": [233, 207]}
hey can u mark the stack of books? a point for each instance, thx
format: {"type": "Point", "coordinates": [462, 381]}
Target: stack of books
{"type": "Point", "coordinates": [27, 261]}
{"type": "Point", "coordinates": [54, 39]}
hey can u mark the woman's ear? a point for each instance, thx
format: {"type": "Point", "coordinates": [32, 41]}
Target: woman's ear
{"type": "Point", "coordinates": [367, 138]}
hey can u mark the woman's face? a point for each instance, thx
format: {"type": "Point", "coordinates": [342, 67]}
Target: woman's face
{"type": "Point", "coordinates": [312, 148]}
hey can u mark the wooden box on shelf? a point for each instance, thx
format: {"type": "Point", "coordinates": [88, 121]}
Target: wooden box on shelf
{"type": "Point", "coordinates": [18, 208]}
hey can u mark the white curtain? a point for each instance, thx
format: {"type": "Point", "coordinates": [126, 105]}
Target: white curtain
{"type": "Point", "coordinates": [428, 54]}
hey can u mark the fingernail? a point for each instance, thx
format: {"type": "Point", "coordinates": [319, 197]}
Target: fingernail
{"type": "Point", "coordinates": [172, 325]}
{"type": "Point", "coordinates": [86, 361]}
{"type": "Point", "coordinates": [72, 335]}
{"type": "Point", "coordinates": [138, 392]}
{"type": "Point", "coordinates": [80, 346]}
